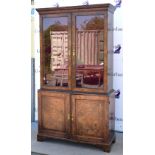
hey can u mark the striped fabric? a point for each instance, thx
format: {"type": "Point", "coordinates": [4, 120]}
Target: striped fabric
{"type": "Point", "coordinates": [87, 47]}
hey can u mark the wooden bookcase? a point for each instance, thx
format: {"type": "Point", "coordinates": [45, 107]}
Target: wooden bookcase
{"type": "Point", "coordinates": [76, 98]}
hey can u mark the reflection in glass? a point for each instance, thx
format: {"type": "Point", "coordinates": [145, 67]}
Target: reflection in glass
{"type": "Point", "coordinates": [89, 51]}
{"type": "Point", "coordinates": [55, 33]}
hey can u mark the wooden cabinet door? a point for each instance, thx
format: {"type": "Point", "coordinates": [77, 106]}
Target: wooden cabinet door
{"type": "Point", "coordinates": [53, 113]}
{"type": "Point", "coordinates": [89, 118]}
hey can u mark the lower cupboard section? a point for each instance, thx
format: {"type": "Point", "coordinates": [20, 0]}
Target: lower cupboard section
{"type": "Point", "coordinates": [84, 118]}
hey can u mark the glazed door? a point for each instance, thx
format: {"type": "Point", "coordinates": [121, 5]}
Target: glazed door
{"type": "Point", "coordinates": [89, 118]}
{"type": "Point", "coordinates": [88, 51]}
{"type": "Point", "coordinates": [55, 51]}
{"type": "Point", "coordinates": [54, 110]}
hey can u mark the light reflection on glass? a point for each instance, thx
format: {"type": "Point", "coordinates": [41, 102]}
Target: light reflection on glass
{"type": "Point", "coordinates": [89, 51]}
{"type": "Point", "coordinates": [56, 51]}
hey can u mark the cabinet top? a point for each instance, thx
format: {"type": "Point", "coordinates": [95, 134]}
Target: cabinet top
{"type": "Point", "coordinates": [103, 7]}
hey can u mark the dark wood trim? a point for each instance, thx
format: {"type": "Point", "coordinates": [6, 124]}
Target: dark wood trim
{"type": "Point", "coordinates": [98, 90]}
{"type": "Point", "coordinates": [55, 88]}
{"type": "Point", "coordinates": [41, 52]}
{"type": "Point", "coordinates": [44, 135]}
{"type": "Point", "coordinates": [73, 52]}
{"type": "Point", "coordinates": [105, 7]}
{"type": "Point", "coordinates": [108, 94]}
{"type": "Point", "coordinates": [56, 15]}
{"type": "Point", "coordinates": [89, 13]}
{"type": "Point", "coordinates": [105, 79]}
{"type": "Point", "coordinates": [69, 51]}
{"type": "Point", "coordinates": [39, 111]}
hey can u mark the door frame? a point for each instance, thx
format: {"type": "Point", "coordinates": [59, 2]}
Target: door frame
{"type": "Point", "coordinates": [42, 62]}
{"type": "Point", "coordinates": [104, 119]}
{"type": "Point", "coordinates": [89, 13]}
{"type": "Point", "coordinates": [67, 121]}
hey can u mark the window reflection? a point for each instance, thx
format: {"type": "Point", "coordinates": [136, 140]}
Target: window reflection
{"type": "Point", "coordinates": [56, 51]}
{"type": "Point", "coordinates": [89, 51]}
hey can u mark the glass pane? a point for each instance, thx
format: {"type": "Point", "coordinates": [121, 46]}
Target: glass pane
{"type": "Point", "coordinates": [89, 51]}
{"type": "Point", "coordinates": [55, 33]}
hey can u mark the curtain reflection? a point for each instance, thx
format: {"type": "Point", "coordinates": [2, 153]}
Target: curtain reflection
{"type": "Point", "coordinates": [89, 51]}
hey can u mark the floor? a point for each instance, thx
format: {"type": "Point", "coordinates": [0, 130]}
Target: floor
{"type": "Point", "coordinates": [59, 147]}
{"type": "Point", "coordinates": [34, 153]}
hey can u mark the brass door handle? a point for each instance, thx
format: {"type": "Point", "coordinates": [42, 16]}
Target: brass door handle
{"type": "Point", "coordinates": [69, 117]}
{"type": "Point", "coordinates": [73, 52]}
